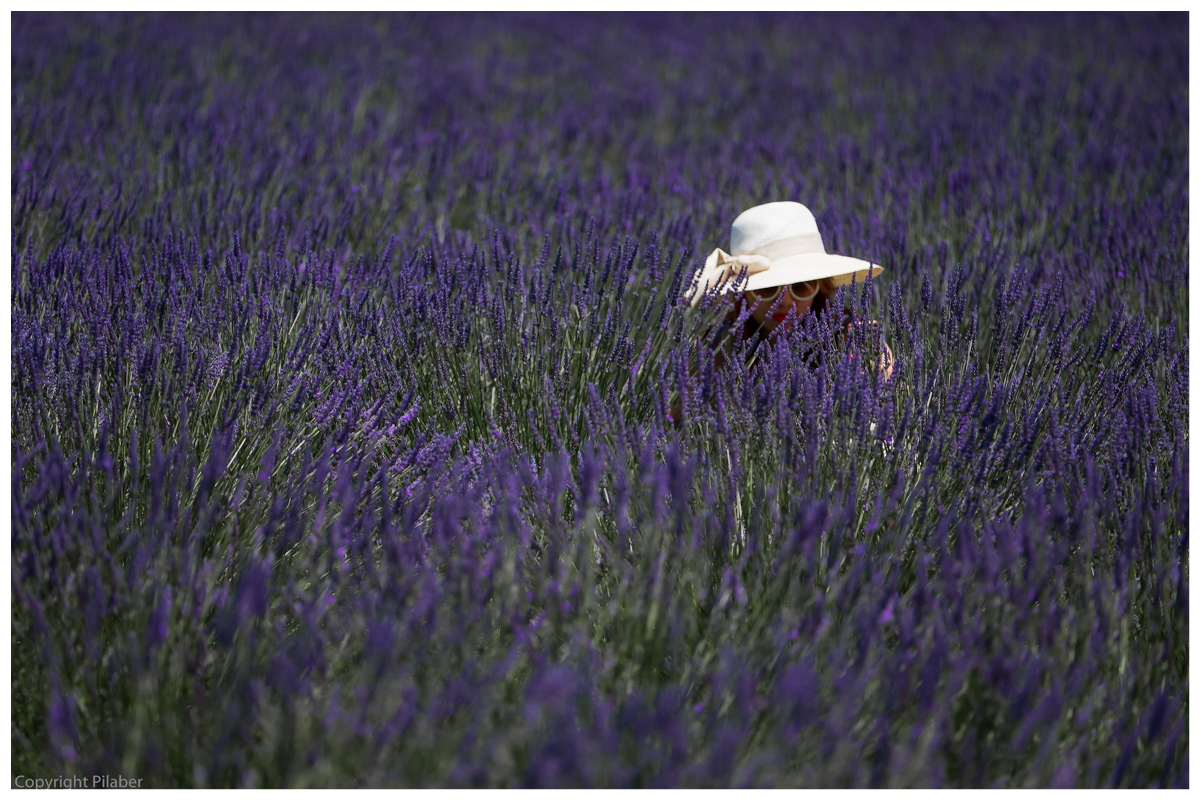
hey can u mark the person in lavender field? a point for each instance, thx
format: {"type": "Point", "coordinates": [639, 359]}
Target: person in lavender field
{"type": "Point", "coordinates": [779, 261]}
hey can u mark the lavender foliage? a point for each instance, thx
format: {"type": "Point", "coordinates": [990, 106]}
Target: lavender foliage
{"type": "Point", "coordinates": [342, 354]}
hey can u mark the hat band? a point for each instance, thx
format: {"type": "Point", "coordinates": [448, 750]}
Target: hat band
{"type": "Point", "coordinates": [791, 246]}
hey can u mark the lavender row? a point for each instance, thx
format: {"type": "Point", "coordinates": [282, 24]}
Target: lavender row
{"type": "Point", "coordinates": [343, 348]}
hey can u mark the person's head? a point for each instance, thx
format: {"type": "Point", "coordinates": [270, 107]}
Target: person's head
{"type": "Point", "coordinates": [777, 306]}
{"type": "Point", "coordinates": [776, 255]}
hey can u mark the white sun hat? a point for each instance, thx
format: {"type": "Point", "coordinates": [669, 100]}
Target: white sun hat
{"type": "Point", "coordinates": [776, 244]}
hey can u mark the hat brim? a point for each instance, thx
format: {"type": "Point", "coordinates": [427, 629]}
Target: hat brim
{"type": "Point", "coordinates": [839, 270]}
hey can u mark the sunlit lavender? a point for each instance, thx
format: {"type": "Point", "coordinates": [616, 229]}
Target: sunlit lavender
{"type": "Point", "coordinates": [342, 355]}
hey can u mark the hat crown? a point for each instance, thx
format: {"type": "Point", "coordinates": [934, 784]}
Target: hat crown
{"type": "Point", "coordinates": [757, 227]}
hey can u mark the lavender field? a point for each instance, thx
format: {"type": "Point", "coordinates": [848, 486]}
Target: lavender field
{"type": "Point", "coordinates": [342, 354]}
